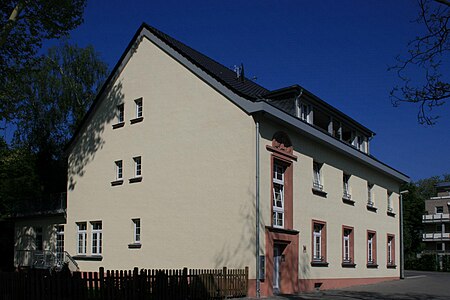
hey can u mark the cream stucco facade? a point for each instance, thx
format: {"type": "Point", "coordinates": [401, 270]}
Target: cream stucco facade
{"type": "Point", "coordinates": [195, 196]}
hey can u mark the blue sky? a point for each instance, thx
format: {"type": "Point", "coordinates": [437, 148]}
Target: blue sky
{"type": "Point", "coordinates": [338, 50]}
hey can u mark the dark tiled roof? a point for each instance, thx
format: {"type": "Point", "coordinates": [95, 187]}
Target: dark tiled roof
{"type": "Point", "coordinates": [246, 88]}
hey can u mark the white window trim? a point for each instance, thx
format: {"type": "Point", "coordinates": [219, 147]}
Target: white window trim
{"type": "Point", "coordinates": [136, 235]}
{"type": "Point", "coordinates": [317, 243]}
{"type": "Point", "coordinates": [98, 237]}
{"type": "Point", "coordinates": [137, 166]}
{"type": "Point", "coordinates": [346, 244]}
{"type": "Point", "coordinates": [139, 107]}
{"type": "Point", "coordinates": [81, 239]}
{"type": "Point", "coordinates": [120, 113]}
{"type": "Point", "coordinates": [389, 250]}
{"type": "Point", "coordinates": [278, 182]}
{"type": "Point", "coordinates": [389, 202]}
{"type": "Point", "coordinates": [119, 169]}
{"type": "Point", "coordinates": [370, 258]}
{"type": "Point", "coordinates": [317, 176]}
{"type": "Point", "coordinates": [370, 194]}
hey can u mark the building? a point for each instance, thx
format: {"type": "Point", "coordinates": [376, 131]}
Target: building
{"type": "Point", "coordinates": [182, 162]}
{"type": "Point", "coordinates": [436, 222]}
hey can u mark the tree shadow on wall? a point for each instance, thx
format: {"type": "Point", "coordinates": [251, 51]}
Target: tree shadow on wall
{"type": "Point", "coordinates": [89, 139]}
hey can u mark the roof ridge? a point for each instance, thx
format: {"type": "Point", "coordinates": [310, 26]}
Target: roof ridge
{"type": "Point", "coordinates": [246, 88]}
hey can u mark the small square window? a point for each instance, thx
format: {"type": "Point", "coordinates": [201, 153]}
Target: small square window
{"type": "Point", "coordinates": [439, 209]}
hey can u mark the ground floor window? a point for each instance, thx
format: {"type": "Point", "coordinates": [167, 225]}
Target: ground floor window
{"type": "Point", "coordinates": [319, 249]}
{"type": "Point", "coordinates": [371, 249]}
{"type": "Point", "coordinates": [347, 245]}
{"type": "Point", "coordinates": [96, 237]}
{"type": "Point", "coordinates": [390, 247]}
{"type": "Point", "coordinates": [81, 238]}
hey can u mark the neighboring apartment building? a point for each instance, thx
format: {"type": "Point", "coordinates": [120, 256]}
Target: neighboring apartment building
{"type": "Point", "coordinates": [179, 155]}
{"type": "Point", "coordinates": [436, 221]}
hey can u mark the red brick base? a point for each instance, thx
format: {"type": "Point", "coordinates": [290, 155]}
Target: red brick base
{"type": "Point", "coordinates": [307, 285]}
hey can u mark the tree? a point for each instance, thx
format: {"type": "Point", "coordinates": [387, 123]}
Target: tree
{"type": "Point", "coordinates": [24, 25]}
{"type": "Point", "coordinates": [426, 54]}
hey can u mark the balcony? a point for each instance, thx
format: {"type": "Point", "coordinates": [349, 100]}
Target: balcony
{"type": "Point", "coordinates": [436, 236]}
{"type": "Point", "coordinates": [47, 205]}
{"type": "Point", "coordinates": [436, 218]}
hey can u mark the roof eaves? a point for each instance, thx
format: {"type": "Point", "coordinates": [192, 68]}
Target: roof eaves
{"type": "Point", "coordinates": [279, 115]}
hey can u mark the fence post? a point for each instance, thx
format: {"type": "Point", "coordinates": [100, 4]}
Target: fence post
{"type": "Point", "coordinates": [101, 278]}
{"type": "Point", "coordinates": [225, 281]}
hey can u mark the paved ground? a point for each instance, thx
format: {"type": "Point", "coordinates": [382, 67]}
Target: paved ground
{"type": "Point", "coordinates": [417, 285]}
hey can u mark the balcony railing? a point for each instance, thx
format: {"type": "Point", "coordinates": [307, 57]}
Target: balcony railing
{"type": "Point", "coordinates": [346, 195]}
{"type": "Point", "coordinates": [317, 185]}
{"type": "Point", "coordinates": [52, 203]}
{"type": "Point", "coordinates": [435, 218]}
{"type": "Point", "coordinates": [432, 236]}
{"type": "Point", "coordinates": [44, 259]}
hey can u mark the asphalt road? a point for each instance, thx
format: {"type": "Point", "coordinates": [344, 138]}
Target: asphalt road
{"type": "Point", "coordinates": [417, 285]}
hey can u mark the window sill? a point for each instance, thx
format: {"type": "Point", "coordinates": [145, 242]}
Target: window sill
{"type": "Point", "coordinates": [118, 125]}
{"type": "Point", "coordinates": [136, 120]}
{"type": "Point", "coordinates": [391, 266]}
{"type": "Point", "coordinates": [135, 246]}
{"type": "Point", "coordinates": [135, 179]}
{"type": "Point", "coordinates": [88, 257]}
{"type": "Point", "coordinates": [348, 265]}
{"type": "Point", "coordinates": [391, 214]}
{"type": "Point", "coordinates": [319, 192]}
{"type": "Point", "coordinates": [117, 182]}
{"type": "Point", "coordinates": [372, 266]}
{"type": "Point", "coordinates": [371, 208]}
{"type": "Point", "coordinates": [319, 264]}
{"type": "Point", "coordinates": [348, 201]}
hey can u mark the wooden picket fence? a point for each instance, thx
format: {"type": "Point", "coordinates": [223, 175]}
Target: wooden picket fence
{"type": "Point", "coordinates": [142, 284]}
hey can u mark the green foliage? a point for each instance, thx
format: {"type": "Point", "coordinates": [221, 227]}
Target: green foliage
{"type": "Point", "coordinates": [57, 97]}
{"type": "Point", "coordinates": [24, 25]}
{"type": "Point", "coordinates": [427, 262]}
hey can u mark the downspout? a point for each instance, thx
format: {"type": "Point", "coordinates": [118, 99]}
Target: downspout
{"type": "Point", "coordinates": [258, 285]}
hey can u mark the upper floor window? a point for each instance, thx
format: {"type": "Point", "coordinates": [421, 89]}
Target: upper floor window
{"type": "Point", "coordinates": [389, 202]}
{"type": "Point", "coordinates": [304, 111]}
{"type": "Point", "coordinates": [137, 166]}
{"type": "Point", "coordinates": [119, 169]}
{"type": "Point", "coordinates": [120, 113]}
{"type": "Point", "coordinates": [317, 178]}
{"type": "Point", "coordinates": [96, 237]}
{"type": "Point", "coordinates": [370, 194]}
{"type": "Point", "coordinates": [137, 230]}
{"type": "Point", "coordinates": [439, 209]}
{"type": "Point", "coordinates": [81, 238]}
{"type": "Point", "coordinates": [138, 104]}
{"type": "Point", "coordinates": [278, 195]}
{"type": "Point", "coordinates": [346, 186]}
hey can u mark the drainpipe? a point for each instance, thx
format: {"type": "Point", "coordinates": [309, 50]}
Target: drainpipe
{"type": "Point", "coordinates": [258, 285]}
{"type": "Point", "coordinates": [402, 249]}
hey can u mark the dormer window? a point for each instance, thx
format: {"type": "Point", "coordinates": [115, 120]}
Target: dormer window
{"type": "Point", "coordinates": [304, 112]}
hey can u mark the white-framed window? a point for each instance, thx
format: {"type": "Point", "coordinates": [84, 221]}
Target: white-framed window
{"type": "Point", "coordinates": [119, 169]}
{"type": "Point", "coordinates": [390, 250]}
{"type": "Point", "coordinates": [120, 113]}
{"type": "Point", "coordinates": [59, 241]}
{"type": "Point", "coordinates": [278, 195]}
{"type": "Point", "coordinates": [317, 242]}
{"type": "Point", "coordinates": [370, 194]}
{"type": "Point", "coordinates": [96, 237]}
{"type": "Point", "coordinates": [346, 245]}
{"type": "Point", "coordinates": [346, 186]}
{"type": "Point", "coordinates": [304, 111]}
{"type": "Point", "coordinates": [139, 107]}
{"type": "Point", "coordinates": [317, 177]}
{"type": "Point", "coordinates": [137, 231]}
{"type": "Point", "coordinates": [81, 238]}
{"type": "Point", "coordinates": [371, 248]}
{"type": "Point", "coordinates": [137, 166]}
{"type": "Point", "coordinates": [389, 202]}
